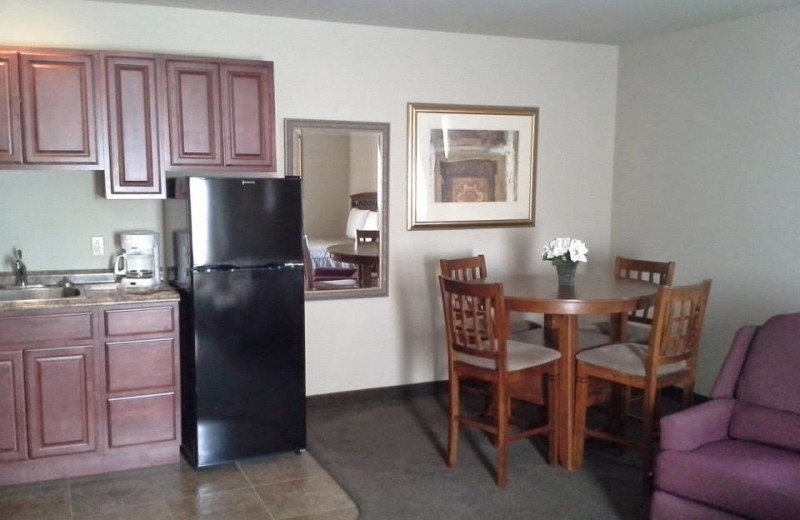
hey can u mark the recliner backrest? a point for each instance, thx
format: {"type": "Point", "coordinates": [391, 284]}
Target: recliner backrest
{"type": "Point", "coordinates": [768, 390]}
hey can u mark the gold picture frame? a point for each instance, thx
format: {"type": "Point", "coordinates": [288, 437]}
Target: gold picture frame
{"type": "Point", "coordinates": [471, 166]}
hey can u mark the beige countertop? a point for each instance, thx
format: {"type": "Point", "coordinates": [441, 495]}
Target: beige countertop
{"type": "Point", "coordinates": [96, 294]}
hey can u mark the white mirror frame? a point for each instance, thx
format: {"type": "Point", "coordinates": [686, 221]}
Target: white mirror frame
{"type": "Point", "coordinates": [292, 128]}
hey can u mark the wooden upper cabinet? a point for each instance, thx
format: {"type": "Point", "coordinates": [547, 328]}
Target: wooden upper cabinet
{"type": "Point", "coordinates": [133, 128]}
{"type": "Point", "coordinates": [193, 101]}
{"type": "Point", "coordinates": [10, 126]}
{"type": "Point", "coordinates": [248, 115]}
{"type": "Point", "coordinates": [135, 116]}
{"type": "Point", "coordinates": [220, 114]}
{"type": "Point", "coordinates": [59, 96]}
{"type": "Point", "coordinates": [61, 400]}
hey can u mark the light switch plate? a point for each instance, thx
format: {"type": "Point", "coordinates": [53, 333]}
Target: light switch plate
{"type": "Point", "coordinates": [98, 248]}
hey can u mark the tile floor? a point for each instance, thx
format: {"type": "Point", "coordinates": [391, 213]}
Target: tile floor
{"type": "Point", "coordinates": [278, 487]}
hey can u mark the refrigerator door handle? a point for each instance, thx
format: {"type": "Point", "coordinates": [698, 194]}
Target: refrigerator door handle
{"type": "Point", "coordinates": [214, 268]}
{"type": "Point", "coordinates": [229, 268]}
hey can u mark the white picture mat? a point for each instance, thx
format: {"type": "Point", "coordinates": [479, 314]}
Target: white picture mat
{"type": "Point", "coordinates": [429, 211]}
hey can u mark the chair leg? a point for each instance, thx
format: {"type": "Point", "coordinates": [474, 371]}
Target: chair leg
{"type": "Point", "coordinates": [581, 399]}
{"type": "Point", "coordinates": [657, 411]}
{"type": "Point", "coordinates": [502, 435]}
{"type": "Point", "coordinates": [452, 444]}
{"type": "Point", "coordinates": [627, 395]}
{"type": "Point", "coordinates": [649, 410]}
{"type": "Point", "coordinates": [552, 417]}
{"type": "Point", "coordinates": [620, 399]}
{"type": "Point", "coordinates": [688, 393]}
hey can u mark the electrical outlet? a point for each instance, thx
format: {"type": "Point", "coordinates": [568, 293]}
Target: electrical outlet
{"type": "Point", "coordinates": [97, 246]}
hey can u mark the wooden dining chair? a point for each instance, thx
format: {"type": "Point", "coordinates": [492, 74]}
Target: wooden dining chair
{"type": "Point", "coordinates": [669, 359]}
{"type": "Point", "coordinates": [640, 320]}
{"type": "Point", "coordinates": [367, 235]}
{"type": "Point", "coordinates": [478, 348]}
{"type": "Point", "coordinates": [474, 268]}
{"type": "Point", "coordinates": [326, 278]}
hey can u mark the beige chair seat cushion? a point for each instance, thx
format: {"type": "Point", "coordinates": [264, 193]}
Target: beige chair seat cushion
{"type": "Point", "coordinates": [344, 283]}
{"type": "Point", "coordinates": [520, 356]}
{"type": "Point", "coordinates": [627, 358]}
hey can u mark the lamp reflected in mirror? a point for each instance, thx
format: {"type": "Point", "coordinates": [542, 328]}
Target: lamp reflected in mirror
{"type": "Point", "coordinates": [344, 166]}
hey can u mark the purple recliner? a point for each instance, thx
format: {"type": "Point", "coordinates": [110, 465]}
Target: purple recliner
{"type": "Point", "coordinates": [738, 455]}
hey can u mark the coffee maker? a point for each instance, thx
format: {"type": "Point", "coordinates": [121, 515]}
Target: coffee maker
{"type": "Point", "coordinates": [139, 263]}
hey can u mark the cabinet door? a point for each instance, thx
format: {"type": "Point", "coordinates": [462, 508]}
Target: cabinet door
{"type": "Point", "coordinates": [58, 109]}
{"type": "Point", "coordinates": [133, 127]}
{"type": "Point", "coordinates": [248, 115]}
{"type": "Point", "coordinates": [10, 129]}
{"type": "Point", "coordinates": [193, 100]}
{"type": "Point", "coordinates": [61, 400]}
{"type": "Point", "coordinates": [12, 407]}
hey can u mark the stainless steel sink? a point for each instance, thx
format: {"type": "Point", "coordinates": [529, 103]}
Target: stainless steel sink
{"type": "Point", "coordinates": [38, 292]}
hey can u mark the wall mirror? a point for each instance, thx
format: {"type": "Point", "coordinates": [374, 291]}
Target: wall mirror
{"type": "Point", "coordinates": [344, 166]}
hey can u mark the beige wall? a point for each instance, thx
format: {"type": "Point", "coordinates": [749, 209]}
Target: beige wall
{"type": "Point", "coordinates": [707, 169]}
{"type": "Point", "coordinates": [52, 216]}
{"type": "Point", "coordinates": [358, 73]}
{"type": "Point", "coordinates": [326, 174]}
{"type": "Point", "coordinates": [363, 163]}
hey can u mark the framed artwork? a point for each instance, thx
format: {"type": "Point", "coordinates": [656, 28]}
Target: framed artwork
{"type": "Point", "coordinates": [471, 166]}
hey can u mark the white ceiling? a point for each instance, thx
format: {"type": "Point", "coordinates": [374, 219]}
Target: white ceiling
{"type": "Point", "coordinates": [591, 21]}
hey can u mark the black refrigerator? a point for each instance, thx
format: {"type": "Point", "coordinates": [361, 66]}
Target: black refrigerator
{"type": "Point", "coordinates": [237, 260]}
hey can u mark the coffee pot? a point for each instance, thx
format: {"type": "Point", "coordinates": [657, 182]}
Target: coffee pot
{"type": "Point", "coordinates": [138, 265]}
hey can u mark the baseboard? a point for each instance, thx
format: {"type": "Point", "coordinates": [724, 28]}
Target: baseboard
{"type": "Point", "coordinates": [376, 395]}
{"type": "Point", "coordinates": [676, 394]}
{"type": "Point", "coordinates": [394, 393]}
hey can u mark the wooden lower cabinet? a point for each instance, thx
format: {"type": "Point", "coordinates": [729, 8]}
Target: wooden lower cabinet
{"type": "Point", "coordinates": [142, 404]}
{"type": "Point", "coordinates": [13, 434]}
{"type": "Point", "coordinates": [60, 389]}
{"type": "Point", "coordinates": [141, 419]}
{"type": "Point", "coordinates": [88, 390]}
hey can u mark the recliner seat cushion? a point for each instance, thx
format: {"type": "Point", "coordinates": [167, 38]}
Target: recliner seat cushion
{"type": "Point", "coordinates": [744, 478]}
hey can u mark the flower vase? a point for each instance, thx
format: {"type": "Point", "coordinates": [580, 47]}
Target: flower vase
{"type": "Point", "coordinates": [566, 273]}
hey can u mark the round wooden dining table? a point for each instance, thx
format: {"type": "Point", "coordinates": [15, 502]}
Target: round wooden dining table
{"type": "Point", "coordinates": [592, 294]}
{"type": "Point", "coordinates": [365, 255]}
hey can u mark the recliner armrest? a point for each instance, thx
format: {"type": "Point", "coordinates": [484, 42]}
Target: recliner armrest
{"type": "Point", "coordinates": [689, 429]}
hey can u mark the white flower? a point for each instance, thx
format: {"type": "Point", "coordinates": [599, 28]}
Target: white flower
{"type": "Point", "coordinates": [577, 251]}
{"type": "Point", "coordinates": [555, 249]}
{"type": "Point", "coordinates": [565, 248]}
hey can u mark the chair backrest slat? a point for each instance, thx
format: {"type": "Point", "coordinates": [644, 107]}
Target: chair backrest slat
{"type": "Point", "coordinates": [367, 235]}
{"type": "Point", "coordinates": [661, 273]}
{"type": "Point", "coordinates": [678, 323]}
{"type": "Point", "coordinates": [469, 268]}
{"type": "Point", "coordinates": [475, 318]}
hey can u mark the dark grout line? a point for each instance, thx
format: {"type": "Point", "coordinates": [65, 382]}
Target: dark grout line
{"type": "Point", "coordinates": [254, 490]}
{"type": "Point", "coordinates": [69, 497]}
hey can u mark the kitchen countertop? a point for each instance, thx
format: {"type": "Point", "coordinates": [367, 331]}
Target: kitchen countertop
{"type": "Point", "coordinates": [99, 290]}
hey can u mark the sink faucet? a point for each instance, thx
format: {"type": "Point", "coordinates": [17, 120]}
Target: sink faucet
{"type": "Point", "coordinates": [20, 271]}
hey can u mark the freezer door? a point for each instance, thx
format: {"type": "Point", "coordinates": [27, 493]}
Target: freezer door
{"type": "Point", "coordinates": [245, 222]}
{"type": "Point", "coordinates": [249, 363]}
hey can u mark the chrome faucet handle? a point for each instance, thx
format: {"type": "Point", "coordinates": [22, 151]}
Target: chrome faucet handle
{"type": "Point", "coordinates": [20, 270]}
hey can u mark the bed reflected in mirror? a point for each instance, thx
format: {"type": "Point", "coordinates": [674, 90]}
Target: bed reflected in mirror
{"type": "Point", "coordinates": [344, 167]}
